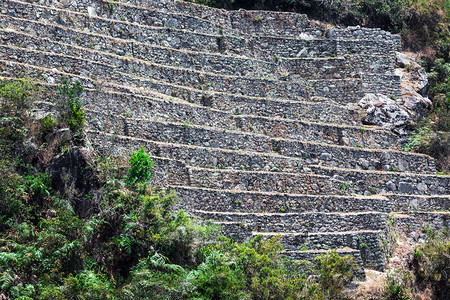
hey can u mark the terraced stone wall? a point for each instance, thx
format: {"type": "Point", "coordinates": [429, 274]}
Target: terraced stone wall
{"type": "Point", "coordinates": [249, 116]}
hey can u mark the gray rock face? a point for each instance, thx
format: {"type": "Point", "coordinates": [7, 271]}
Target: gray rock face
{"type": "Point", "coordinates": [402, 59]}
{"type": "Point", "coordinates": [405, 187]}
{"type": "Point", "coordinates": [391, 186]}
{"type": "Point", "coordinates": [414, 82]}
{"type": "Point", "coordinates": [385, 112]}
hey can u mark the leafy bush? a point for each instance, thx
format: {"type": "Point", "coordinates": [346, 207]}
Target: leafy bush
{"type": "Point", "coordinates": [15, 97]}
{"type": "Point", "coordinates": [38, 185]}
{"type": "Point", "coordinates": [432, 137]}
{"type": "Point", "coordinates": [48, 124]}
{"type": "Point", "coordinates": [432, 263]}
{"type": "Point", "coordinates": [13, 197]}
{"type": "Point", "coordinates": [70, 99]}
{"type": "Point", "coordinates": [141, 167]}
{"type": "Point", "coordinates": [335, 273]}
{"type": "Point", "coordinates": [397, 286]}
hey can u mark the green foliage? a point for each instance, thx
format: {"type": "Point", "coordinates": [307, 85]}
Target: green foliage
{"type": "Point", "coordinates": [432, 137]}
{"type": "Point", "coordinates": [15, 98]}
{"type": "Point", "coordinates": [220, 277]}
{"type": "Point", "coordinates": [439, 79]}
{"type": "Point", "coordinates": [432, 263]}
{"type": "Point", "coordinates": [335, 272]}
{"type": "Point", "coordinates": [84, 285]}
{"type": "Point", "coordinates": [38, 185]}
{"type": "Point", "coordinates": [48, 124]}
{"type": "Point", "coordinates": [397, 286]}
{"type": "Point", "coordinates": [70, 98]}
{"type": "Point", "coordinates": [13, 197]}
{"type": "Point", "coordinates": [141, 167]}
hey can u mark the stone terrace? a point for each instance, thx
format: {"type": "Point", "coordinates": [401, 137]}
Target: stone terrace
{"type": "Point", "coordinates": [250, 116]}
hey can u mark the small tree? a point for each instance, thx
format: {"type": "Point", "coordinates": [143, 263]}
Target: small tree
{"type": "Point", "coordinates": [141, 167]}
{"type": "Point", "coordinates": [335, 272]}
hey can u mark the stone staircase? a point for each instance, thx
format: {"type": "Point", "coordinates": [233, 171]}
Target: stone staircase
{"type": "Point", "coordinates": [250, 116]}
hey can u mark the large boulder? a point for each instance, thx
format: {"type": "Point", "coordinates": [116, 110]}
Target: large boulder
{"type": "Point", "coordinates": [414, 83]}
{"type": "Point", "coordinates": [394, 114]}
{"type": "Point", "coordinates": [386, 112]}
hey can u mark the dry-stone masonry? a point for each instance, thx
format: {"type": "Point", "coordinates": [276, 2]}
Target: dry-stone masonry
{"type": "Point", "coordinates": [252, 117]}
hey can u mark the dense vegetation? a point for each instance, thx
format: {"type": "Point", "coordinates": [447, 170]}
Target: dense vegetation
{"type": "Point", "coordinates": [424, 28]}
{"type": "Point", "coordinates": [73, 227]}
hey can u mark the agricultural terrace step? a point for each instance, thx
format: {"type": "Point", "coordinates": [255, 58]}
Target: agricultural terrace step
{"type": "Point", "coordinates": [52, 36]}
{"type": "Point", "coordinates": [125, 101]}
{"type": "Point", "coordinates": [171, 75]}
{"type": "Point", "coordinates": [367, 241]}
{"type": "Point", "coordinates": [300, 222]}
{"type": "Point", "coordinates": [364, 182]}
{"type": "Point", "coordinates": [249, 201]}
{"type": "Point", "coordinates": [262, 47]}
{"type": "Point", "coordinates": [296, 183]}
{"type": "Point", "coordinates": [236, 179]}
{"type": "Point", "coordinates": [259, 87]}
{"type": "Point", "coordinates": [355, 157]}
{"type": "Point", "coordinates": [421, 220]}
{"type": "Point", "coordinates": [204, 157]}
{"type": "Point", "coordinates": [310, 255]}
{"type": "Point", "coordinates": [375, 182]}
{"type": "Point", "coordinates": [338, 67]}
{"type": "Point", "coordinates": [188, 133]}
{"type": "Point", "coordinates": [236, 201]}
{"type": "Point", "coordinates": [61, 39]}
{"type": "Point", "coordinates": [212, 155]}
{"type": "Point", "coordinates": [337, 89]}
{"type": "Point", "coordinates": [240, 22]}
{"type": "Point", "coordinates": [412, 203]}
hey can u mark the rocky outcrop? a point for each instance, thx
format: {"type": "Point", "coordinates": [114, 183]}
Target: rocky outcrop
{"type": "Point", "coordinates": [399, 114]}
{"type": "Point", "coordinates": [73, 178]}
{"type": "Point", "coordinates": [388, 113]}
{"type": "Point", "coordinates": [414, 83]}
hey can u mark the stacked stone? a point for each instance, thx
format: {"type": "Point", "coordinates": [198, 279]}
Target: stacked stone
{"type": "Point", "coordinates": [249, 115]}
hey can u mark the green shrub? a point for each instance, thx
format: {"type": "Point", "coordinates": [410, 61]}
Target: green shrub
{"type": "Point", "coordinates": [141, 167]}
{"type": "Point", "coordinates": [70, 99]}
{"type": "Point", "coordinates": [397, 286]}
{"type": "Point", "coordinates": [38, 185]}
{"type": "Point", "coordinates": [15, 98]}
{"type": "Point", "coordinates": [335, 273]}
{"type": "Point", "coordinates": [48, 124]}
{"type": "Point", "coordinates": [432, 263]}
{"type": "Point", "coordinates": [220, 277]}
{"type": "Point", "coordinates": [13, 197]}
{"type": "Point", "coordinates": [61, 241]}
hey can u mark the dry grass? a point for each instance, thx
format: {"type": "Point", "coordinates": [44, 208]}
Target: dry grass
{"type": "Point", "coordinates": [372, 288]}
